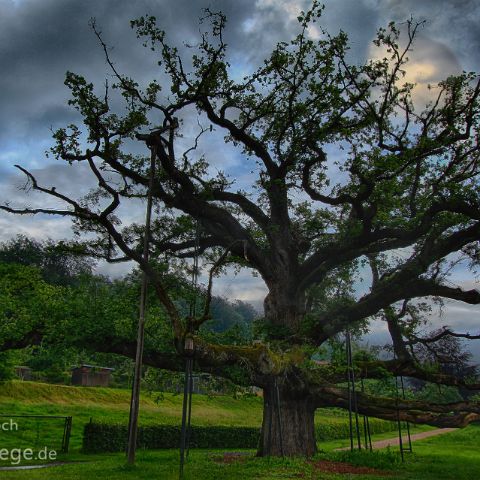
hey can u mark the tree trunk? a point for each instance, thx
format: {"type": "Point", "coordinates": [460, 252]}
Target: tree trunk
{"type": "Point", "coordinates": [288, 425]}
{"type": "Point", "coordinates": [284, 307]}
{"type": "Point", "coordinates": [288, 413]}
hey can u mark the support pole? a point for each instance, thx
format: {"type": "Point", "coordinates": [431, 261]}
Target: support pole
{"type": "Point", "coordinates": [189, 409]}
{"type": "Point", "coordinates": [350, 422]}
{"type": "Point", "coordinates": [366, 423]}
{"type": "Point", "coordinates": [279, 417]}
{"type": "Point", "coordinates": [354, 393]}
{"type": "Point", "coordinates": [189, 350]}
{"type": "Point", "coordinates": [407, 423]}
{"type": "Point", "coordinates": [193, 303]}
{"type": "Point", "coordinates": [135, 398]}
{"type": "Point", "coordinates": [365, 438]}
{"type": "Point", "coordinates": [400, 439]}
{"type": "Point", "coordinates": [186, 402]}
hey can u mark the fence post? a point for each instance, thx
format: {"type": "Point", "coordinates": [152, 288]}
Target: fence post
{"type": "Point", "coordinates": [66, 434]}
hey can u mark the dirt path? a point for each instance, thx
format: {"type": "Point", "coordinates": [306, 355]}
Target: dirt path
{"type": "Point", "coordinates": [416, 436]}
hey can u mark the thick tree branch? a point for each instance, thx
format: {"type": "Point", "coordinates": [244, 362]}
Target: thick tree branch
{"type": "Point", "coordinates": [410, 368]}
{"type": "Point", "coordinates": [441, 415]}
{"type": "Point", "coordinates": [340, 251]}
{"type": "Point", "coordinates": [402, 284]}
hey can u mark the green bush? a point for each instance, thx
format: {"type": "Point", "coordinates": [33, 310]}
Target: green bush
{"type": "Point", "coordinates": [107, 437]}
{"type": "Point", "coordinates": [330, 429]}
{"type": "Point", "coordinates": [103, 437]}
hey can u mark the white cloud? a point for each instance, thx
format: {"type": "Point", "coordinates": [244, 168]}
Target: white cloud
{"type": "Point", "coordinates": [242, 286]}
{"type": "Point", "coordinates": [429, 63]}
{"type": "Point", "coordinates": [34, 227]}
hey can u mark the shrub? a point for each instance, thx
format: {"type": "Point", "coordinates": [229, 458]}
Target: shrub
{"type": "Point", "coordinates": [331, 429]}
{"type": "Point", "coordinates": [103, 437]}
{"type": "Point", "coordinates": [107, 437]}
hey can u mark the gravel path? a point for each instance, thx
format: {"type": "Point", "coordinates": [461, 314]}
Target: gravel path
{"type": "Point", "coordinates": [416, 436]}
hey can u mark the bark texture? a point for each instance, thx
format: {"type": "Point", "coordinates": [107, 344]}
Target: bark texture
{"type": "Point", "coordinates": [288, 425]}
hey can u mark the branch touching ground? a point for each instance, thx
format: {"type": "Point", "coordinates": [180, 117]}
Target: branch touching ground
{"type": "Point", "coordinates": [458, 414]}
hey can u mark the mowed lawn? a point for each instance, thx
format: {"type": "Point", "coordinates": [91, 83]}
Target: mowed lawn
{"type": "Point", "coordinates": [453, 456]}
{"type": "Point", "coordinates": [112, 405]}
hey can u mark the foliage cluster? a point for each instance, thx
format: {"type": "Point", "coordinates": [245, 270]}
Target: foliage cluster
{"type": "Point", "coordinates": [49, 292]}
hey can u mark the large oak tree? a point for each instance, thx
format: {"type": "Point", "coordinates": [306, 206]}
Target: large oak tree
{"type": "Point", "coordinates": [403, 204]}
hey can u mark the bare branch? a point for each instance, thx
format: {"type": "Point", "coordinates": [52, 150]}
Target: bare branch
{"type": "Point", "coordinates": [446, 332]}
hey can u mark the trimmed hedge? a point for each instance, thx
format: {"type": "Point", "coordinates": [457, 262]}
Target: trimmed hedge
{"type": "Point", "coordinates": [104, 437]}
{"type": "Point", "coordinates": [108, 437]}
{"type": "Point", "coordinates": [335, 430]}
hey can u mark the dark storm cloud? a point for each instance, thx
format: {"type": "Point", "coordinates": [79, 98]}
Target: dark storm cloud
{"type": "Point", "coordinates": [276, 20]}
{"type": "Point", "coordinates": [39, 41]}
{"type": "Point", "coordinates": [58, 175]}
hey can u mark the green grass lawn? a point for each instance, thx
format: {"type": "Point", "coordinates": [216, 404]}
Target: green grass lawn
{"type": "Point", "coordinates": [112, 405]}
{"type": "Point", "coordinates": [453, 456]}
{"type": "Point", "coordinates": [450, 456]}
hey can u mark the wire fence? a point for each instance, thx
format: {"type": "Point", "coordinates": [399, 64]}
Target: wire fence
{"type": "Point", "coordinates": [35, 431]}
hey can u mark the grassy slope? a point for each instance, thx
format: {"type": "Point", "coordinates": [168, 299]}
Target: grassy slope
{"type": "Point", "coordinates": [112, 405]}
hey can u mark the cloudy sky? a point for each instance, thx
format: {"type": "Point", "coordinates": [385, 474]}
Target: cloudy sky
{"type": "Point", "coordinates": [41, 39]}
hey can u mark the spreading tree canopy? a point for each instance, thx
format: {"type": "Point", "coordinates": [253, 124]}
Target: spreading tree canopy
{"type": "Point", "coordinates": [349, 177]}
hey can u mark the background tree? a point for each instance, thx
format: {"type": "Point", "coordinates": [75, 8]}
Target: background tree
{"type": "Point", "coordinates": [406, 181]}
{"type": "Point", "coordinates": [58, 265]}
{"type": "Point", "coordinates": [52, 327]}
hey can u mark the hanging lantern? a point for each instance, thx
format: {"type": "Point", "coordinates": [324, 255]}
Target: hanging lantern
{"type": "Point", "coordinates": [189, 346]}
